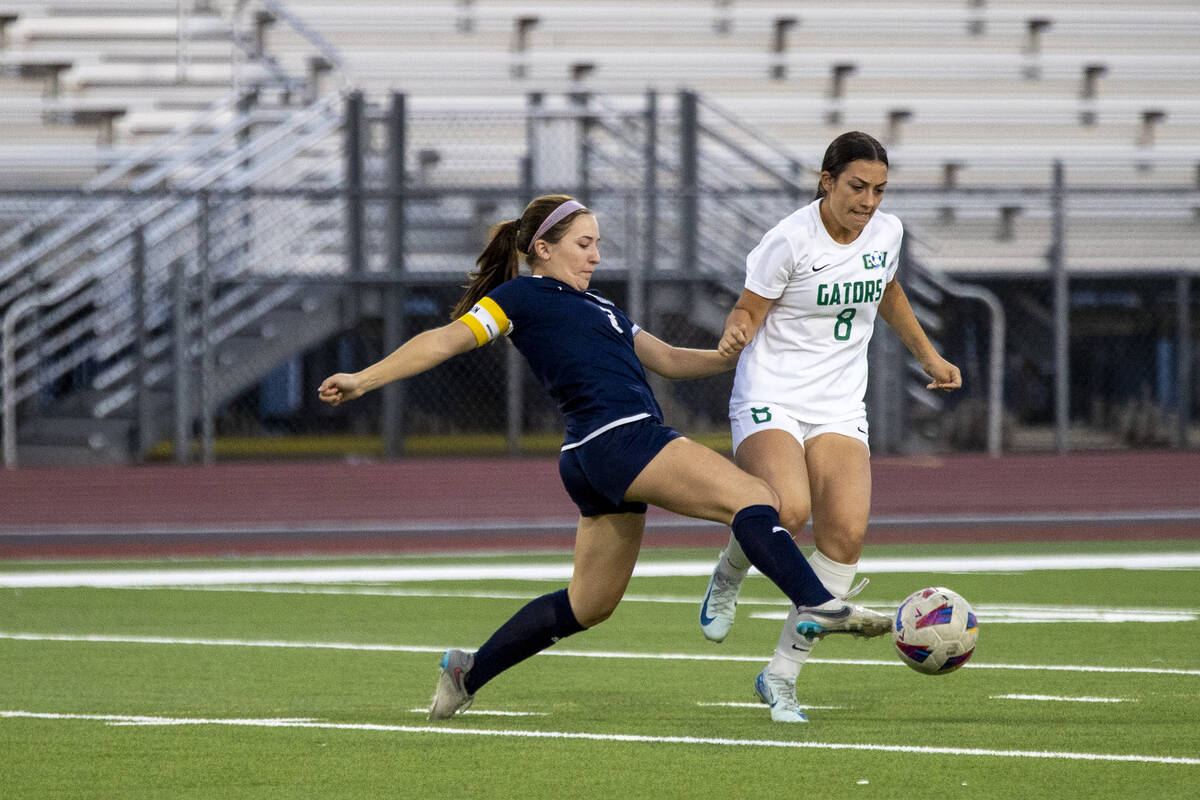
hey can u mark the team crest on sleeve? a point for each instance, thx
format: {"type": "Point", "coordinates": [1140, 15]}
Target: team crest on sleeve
{"type": "Point", "coordinates": [876, 259]}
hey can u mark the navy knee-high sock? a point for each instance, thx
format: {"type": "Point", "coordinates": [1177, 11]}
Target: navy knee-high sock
{"type": "Point", "coordinates": [770, 548]}
{"type": "Point", "coordinates": [540, 623]}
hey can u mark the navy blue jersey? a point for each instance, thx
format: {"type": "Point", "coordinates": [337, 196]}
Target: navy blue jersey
{"type": "Point", "coordinates": [580, 347]}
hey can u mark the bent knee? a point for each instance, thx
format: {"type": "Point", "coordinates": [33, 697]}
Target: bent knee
{"type": "Point", "coordinates": [841, 544]}
{"type": "Point", "coordinates": [593, 615]}
{"type": "Point", "coordinates": [590, 609]}
{"type": "Point", "coordinates": [794, 518]}
{"type": "Point", "coordinates": [755, 491]}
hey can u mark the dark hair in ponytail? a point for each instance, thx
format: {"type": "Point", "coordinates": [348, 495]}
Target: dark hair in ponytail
{"type": "Point", "coordinates": [850, 146]}
{"type": "Point", "coordinates": [509, 240]}
{"type": "Point", "coordinates": [497, 264]}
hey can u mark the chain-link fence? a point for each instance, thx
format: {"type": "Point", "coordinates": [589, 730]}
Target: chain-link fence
{"type": "Point", "coordinates": [196, 321]}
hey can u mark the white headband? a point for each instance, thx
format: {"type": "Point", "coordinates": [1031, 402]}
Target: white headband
{"type": "Point", "coordinates": [555, 216]}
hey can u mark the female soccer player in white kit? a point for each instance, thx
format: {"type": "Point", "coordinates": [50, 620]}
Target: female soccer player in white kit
{"type": "Point", "coordinates": [814, 285]}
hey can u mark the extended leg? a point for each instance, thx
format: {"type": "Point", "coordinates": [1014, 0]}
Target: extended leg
{"type": "Point", "coordinates": [606, 549]}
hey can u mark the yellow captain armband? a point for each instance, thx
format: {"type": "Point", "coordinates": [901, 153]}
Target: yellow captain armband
{"type": "Point", "coordinates": [486, 320]}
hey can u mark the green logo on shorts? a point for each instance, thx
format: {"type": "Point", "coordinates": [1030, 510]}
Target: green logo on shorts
{"type": "Point", "coordinates": [760, 415]}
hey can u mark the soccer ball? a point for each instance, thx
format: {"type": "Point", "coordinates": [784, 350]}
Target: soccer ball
{"type": "Point", "coordinates": [935, 631]}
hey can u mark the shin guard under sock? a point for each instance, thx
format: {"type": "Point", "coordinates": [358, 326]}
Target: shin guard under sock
{"type": "Point", "coordinates": [539, 624]}
{"type": "Point", "coordinates": [770, 548]}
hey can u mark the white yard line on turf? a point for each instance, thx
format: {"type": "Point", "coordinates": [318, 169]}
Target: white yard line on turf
{"type": "Point", "coordinates": [457, 594]}
{"type": "Point", "coordinates": [991, 613]}
{"type": "Point", "coordinates": [607, 737]}
{"type": "Point", "coordinates": [1055, 699]}
{"type": "Point", "coordinates": [483, 712]}
{"type": "Point", "coordinates": [477, 571]}
{"type": "Point", "coordinates": [156, 721]}
{"type": "Point", "coordinates": [1027, 615]}
{"type": "Point", "coordinates": [760, 706]}
{"type": "Point", "coordinates": [400, 648]}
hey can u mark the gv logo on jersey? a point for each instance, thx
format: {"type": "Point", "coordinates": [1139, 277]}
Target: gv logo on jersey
{"type": "Point", "coordinates": [876, 259]}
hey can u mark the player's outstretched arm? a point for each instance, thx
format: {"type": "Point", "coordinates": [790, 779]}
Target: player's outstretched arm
{"type": "Point", "coordinates": [422, 352]}
{"type": "Point", "coordinates": [679, 363]}
{"type": "Point", "coordinates": [898, 314]}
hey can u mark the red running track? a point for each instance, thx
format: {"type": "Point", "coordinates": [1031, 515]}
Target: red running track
{"type": "Point", "coordinates": [439, 504]}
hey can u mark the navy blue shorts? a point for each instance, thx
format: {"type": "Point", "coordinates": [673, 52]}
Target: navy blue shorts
{"type": "Point", "coordinates": [597, 473]}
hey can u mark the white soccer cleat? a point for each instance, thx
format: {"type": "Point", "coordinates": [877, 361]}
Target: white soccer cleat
{"type": "Point", "coordinates": [451, 695]}
{"type": "Point", "coordinates": [719, 605]}
{"type": "Point", "coordinates": [838, 616]}
{"type": "Point", "coordinates": [780, 694]}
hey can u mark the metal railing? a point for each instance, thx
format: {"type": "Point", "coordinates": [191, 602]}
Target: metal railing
{"type": "Point", "coordinates": [250, 220]}
{"type": "Point", "coordinates": [70, 263]}
{"type": "Point", "coordinates": [72, 258]}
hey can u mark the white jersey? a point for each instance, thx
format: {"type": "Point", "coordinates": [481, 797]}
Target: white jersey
{"type": "Point", "coordinates": [810, 355]}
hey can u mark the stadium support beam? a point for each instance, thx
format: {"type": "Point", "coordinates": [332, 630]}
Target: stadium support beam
{"type": "Point", "coordinates": [208, 370]}
{"type": "Point", "coordinates": [976, 17]}
{"type": "Point", "coordinates": [689, 179]}
{"type": "Point", "coordinates": [651, 181]}
{"type": "Point", "coordinates": [1062, 313]}
{"type": "Point", "coordinates": [355, 214]}
{"type": "Point", "coordinates": [522, 28]}
{"type": "Point", "coordinates": [1183, 357]}
{"type": "Point", "coordinates": [395, 294]}
{"type": "Point", "coordinates": [141, 340]}
{"type": "Point", "coordinates": [180, 365]}
{"type": "Point", "coordinates": [779, 46]}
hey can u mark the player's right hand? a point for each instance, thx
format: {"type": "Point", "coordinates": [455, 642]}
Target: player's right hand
{"type": "Point", "coordinates": [339, 388]}
{"type": "Point", "coordinates": [733, 340]}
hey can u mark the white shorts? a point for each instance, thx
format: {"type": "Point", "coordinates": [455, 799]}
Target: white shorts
{"type": "Point", "coordinates": [750, 418]}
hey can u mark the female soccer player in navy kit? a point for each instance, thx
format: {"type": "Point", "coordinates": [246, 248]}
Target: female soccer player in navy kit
{"type": "Point", "coordinates": [617, 455]}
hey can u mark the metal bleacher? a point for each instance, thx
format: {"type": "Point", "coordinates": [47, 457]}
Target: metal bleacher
{"type": "Point", "coordinates": [967, 94]}
{"type": "Point", "coordinates": [977, 101]}
{"type": "Point", "coordinates": [93, 284]}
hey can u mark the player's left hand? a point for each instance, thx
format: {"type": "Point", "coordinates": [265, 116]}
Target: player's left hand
{"type": "Point", "coordinates": [946, 376]}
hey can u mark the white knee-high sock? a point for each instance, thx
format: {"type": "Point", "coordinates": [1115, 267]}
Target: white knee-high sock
{"type": "Point", "coordinates": [733, 560]}
{"type": "Point", "coordinates": [793, 649]}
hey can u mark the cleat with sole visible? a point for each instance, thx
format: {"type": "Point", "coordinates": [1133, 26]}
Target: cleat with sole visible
{"type": "Point", "coordinates": [451, 695]}
{"type": "Point", "coordinates": [816, 622]}
{"type": "Point", "coordinates": [779, 693]}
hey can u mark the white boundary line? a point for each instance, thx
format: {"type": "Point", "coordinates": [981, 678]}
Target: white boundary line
{"type": "Point", "coordinates": [991, 613]}
{"type": "Point", "coordinates": [1044, 615]}
{"type": "Point", "coordinates": [400, 648]}
{"type": "Point", "coordinates": [606, 737]}
{"type": "Point", "coordinates": [949, 565]}
{"type": "Point", "coordinates": [761, 706]}
{"type": "Point", "coordinates": [484, 712]}
{"type": "Point", "coordinates": [1056, 699]}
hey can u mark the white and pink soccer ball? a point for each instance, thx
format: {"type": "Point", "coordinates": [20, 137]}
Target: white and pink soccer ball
{"type": "Point", "coordinates": [935, 631]}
